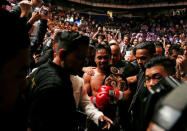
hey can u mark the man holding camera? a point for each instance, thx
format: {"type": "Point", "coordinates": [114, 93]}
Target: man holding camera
{"type": "Point", "coordinates": [26, 11]}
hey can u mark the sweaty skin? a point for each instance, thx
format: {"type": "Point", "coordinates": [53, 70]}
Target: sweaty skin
{"type": "Point", "coordinates": [93, 82]}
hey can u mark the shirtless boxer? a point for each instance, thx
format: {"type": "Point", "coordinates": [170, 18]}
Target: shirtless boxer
{"type": "Point", "coordinates": [102, 59]}
{"type": "Point", "coordinates": [95, 81]}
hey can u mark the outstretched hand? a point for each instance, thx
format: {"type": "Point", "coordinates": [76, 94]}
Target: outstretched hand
{"type": "Point", "coordinates": [106, 122]}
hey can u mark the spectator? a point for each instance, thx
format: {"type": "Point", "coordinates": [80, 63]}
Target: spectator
{"type": "Point", "coordinates": [174, 51]}
{"type": "Point", "coordinates": [159, 49]}
{"type": "Point", "coordinates": [25, 10]}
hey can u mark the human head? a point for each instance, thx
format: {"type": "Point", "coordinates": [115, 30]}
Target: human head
{"type": "Point", "coordinates": [71, 52]}
{"type": "Point", "coordinates": [157, 68]}
{"type": "Point", "coordinates": [102, 56]}
{"type": "Point", "coordinates": [159, 49]}
{"type": "Point", "coordinates": [140, 39]}
{"type": "Point", "coordinates": [37, 3]}
{"type": "Point", "coordinates": [4, 3]}
{"type": "Point", "coordinates": [135, 42]}
{"type": "Point", "coordinates": [14, 65]}
{"type": "Point", "coordinates": [144, 52]}
{"type": "Point", "coordinates": [126, 39]}
{"type": "Point", "coordinates": [168, 45]}
{"type": "Point", "coordinates": [131, 56]}
{"type": "Point", "coordinates": [115, 54]}
{"type": "Point", "coordinates": [174, 51]}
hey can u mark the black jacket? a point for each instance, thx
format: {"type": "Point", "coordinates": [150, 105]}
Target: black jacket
{"type": "Point", "coordinates": [51, 97]}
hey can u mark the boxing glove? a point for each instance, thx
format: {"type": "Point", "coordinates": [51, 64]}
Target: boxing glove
{"type": "Point", "coordinates": [116, 94]}
{"type": "Point", "coordinates": [101, 100]}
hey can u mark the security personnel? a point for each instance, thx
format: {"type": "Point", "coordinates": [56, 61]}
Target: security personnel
{"type": "Point", "coordinates": [52, 102]}
{"type": "Point", "coordinates": [144, 52]}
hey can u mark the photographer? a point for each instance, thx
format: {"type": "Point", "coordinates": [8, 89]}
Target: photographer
{"type": "Point", "coordinates": [170, 112]}
{"type": "Point", "coordinates": [99, 35]}
{"type": "Point", "coordinates": [37, 42]}
{"type": "Point", "coordinates": [155, 69]}
{"type": "Point", "coordinates": [25, 10]}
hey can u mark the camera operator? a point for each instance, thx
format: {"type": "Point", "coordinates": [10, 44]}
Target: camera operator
{"type": "Point", "coordinates": [155, 69]}
{"type": "Point", "coordinates": [170, 112]}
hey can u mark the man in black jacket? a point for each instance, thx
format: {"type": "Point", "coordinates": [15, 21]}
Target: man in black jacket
{"type": "Point", "coordinates": [52, 102]}
{"type": "Point", "coordinates": [144, 52]}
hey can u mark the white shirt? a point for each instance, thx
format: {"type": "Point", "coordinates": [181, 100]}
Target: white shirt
{"type": "Point", "coordinates": [82, 99]}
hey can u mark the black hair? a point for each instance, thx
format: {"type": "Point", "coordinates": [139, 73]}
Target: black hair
{"type": "Point", "coordinates": [12, 40]}
{"type": "Point", "coordinates": [164, 61]}
{"type": "Point", "coordinates": [159, 45]}
{"type": "Point", "coordinates": [148, 46]}
{"type": "Point", "coordinates": [174, 47]}
{"type": "Point", "coordinates": [71, 40]}
{"type": "Point", "coordinates": [103, 46]}
{"type": "Point", "coordinates": [57, 36]}
{"type": "Point", "coordinates": [5, 2]}
{"type": "Point", "coordinates": [167, 42]}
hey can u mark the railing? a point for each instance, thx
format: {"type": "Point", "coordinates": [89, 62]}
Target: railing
{"type": "Point", "coordinates": [121, 4]}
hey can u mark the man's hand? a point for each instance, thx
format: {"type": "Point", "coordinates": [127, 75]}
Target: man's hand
{"type": "Point", "coordinates": [25, 8]}
{"type": "Point", "coordinates": [106, 122]}
{"type": "Point", "coordinates": [89, 70]}
{"type": "Point", "coordinates": [44, 16]}
{"type": "Point", "coordinates": [181, 62]}
{"type": "Point", "coordinates": [35, 17]}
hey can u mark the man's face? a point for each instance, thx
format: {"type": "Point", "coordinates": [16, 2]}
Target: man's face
{"type": "Point", "coordinates": [132, 57]}
{"type": "Point", "coordinates": [75, 61]}
{"type": "Point", "coordinates": [142, 57]}
{"type": "Point", "coordinates": [115, 55]}
{"type": "Point", "coordinates": [167, 47]}
{"type": "Point", "coordinates": [154, 74]}
{"type": "Point", "coordinates": [135, 42]}
{"type": "Point", "coordinates": [158, 51]}
{"type": "Point", "coordinates": [126, 40]}
{"type": "Point", "coordinates": [13, 79]}
{"type": "Point", "coordinates": [102, 59]}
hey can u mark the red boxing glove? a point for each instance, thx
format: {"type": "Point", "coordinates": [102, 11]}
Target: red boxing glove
{"type": "Point", "coordinates": [105, 96]}
{"type": "Point", "coordinates": [101, 100]}
{"type": "Point", "coordinates": [105, 89]}
{"type": "Point", "coordinates": [116, 94]}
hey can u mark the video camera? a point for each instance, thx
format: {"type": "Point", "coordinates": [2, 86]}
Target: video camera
{"type": "Point", "coordinates": [171, 112]}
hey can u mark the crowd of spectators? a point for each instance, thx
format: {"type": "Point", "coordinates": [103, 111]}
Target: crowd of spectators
{"type": "Point", "coordinates": [133, 2]}
{"type": "Point", "coordinates": [138, 47]}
